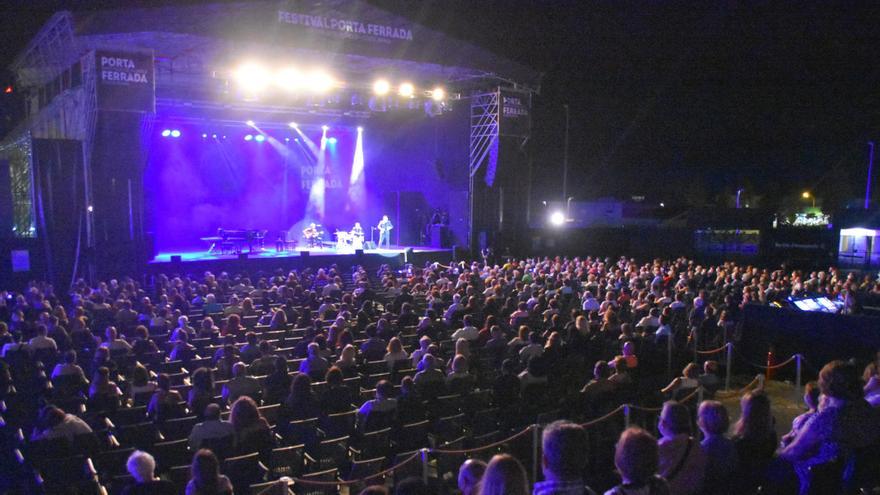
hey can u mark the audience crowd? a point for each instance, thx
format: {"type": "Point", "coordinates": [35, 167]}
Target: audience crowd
{"type": "Point", "coordinates": [228, 383]}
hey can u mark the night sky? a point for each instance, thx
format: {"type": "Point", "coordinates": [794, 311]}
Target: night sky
{"type": "Point", "coordinates": [682, 102]}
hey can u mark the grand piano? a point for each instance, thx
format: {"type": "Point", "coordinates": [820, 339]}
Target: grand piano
{"type": "Point", "coordinates": [234, 241]}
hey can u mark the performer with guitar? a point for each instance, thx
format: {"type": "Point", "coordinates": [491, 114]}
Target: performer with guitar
{"type": "Point", "coordinates": [385, 232]}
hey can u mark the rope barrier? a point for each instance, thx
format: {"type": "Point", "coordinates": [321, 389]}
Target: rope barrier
{"type": "Point", "coordinates": [301, 481]}
{"type": "Point", "coordinates": [484, 447]}
{"type": "Point", "coordinates": [774, 367]}
{"type": "Point", "coordinates": [603, 418]}
{"type": "Point", "coordinates": [741, 391]}
{"type": "Point", "coordinates": [713, 351]}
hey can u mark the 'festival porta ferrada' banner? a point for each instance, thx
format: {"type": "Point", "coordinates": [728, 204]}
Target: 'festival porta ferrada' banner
{"type": "Point", "coordinates": [125, 81]}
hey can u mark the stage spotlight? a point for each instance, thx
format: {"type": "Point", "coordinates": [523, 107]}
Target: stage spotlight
{"type": "Point", "coordinates": [250, 123]}
{"type": "Point", "coordinates": [252, 77]}
{"type": "Point", "coordinates": [324, 128]}
{"type": "Point", "coordinates": [290, 79]}
{"type": "Point", "coordinates": [438, 94]}
{"type": "Point", "coordinates": [249, 137]}
{"type": "Point", "coordinates": [175, 133]}
{"type": "Point", "coordinates": [557, 218]}
{"type": "Point", "coordinates": [360, 129]}
{"type": "Point", "coordinates": [259, 138]}
{"type": "Point", "coordinates": [224, 137]}
{"type": "Point", "coordinates": [293, 125]}
{"type": "Point", "coordinates": [214, 136]}
{"type": "Point", "coordinates": [406, 90]}
{"type": "Point", "coordinates": [204, 136]}
{"type": "Point", "coordinates": [166, 133]}
{"type": "Point", "coordinates": [286, 140]}
{"type": "Point", "coordinates": [320, 81]}
{"type": "Point", "coordinates": [381, 87]}
{"type": "Point", "coordinates": [331, 140]}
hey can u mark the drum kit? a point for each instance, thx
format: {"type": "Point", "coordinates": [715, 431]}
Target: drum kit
{"type": "Point", "coordinates": [348, 241]}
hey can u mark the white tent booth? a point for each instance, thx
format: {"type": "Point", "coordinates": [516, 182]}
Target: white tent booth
{"type": "Point", "coordinates": [859, 247]}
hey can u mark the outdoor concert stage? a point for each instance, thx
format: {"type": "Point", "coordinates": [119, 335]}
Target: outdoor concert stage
{"type": "Point", "coordinates": [270, 259]}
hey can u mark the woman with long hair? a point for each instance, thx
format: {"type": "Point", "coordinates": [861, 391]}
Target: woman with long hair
{"type": "Point", "coordinates": [755, 439]}
{"type": "Point", "coordinates": [504, 476]}
{"type": "Point", "coordinates": [252, 432]}
{"type": "Point", "coordinates": [202, 392]}
{"type": "Point", "coordinates": [205, 476]}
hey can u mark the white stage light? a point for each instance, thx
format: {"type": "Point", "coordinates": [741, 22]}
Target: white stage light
{"type": "Point", "coordinates": [324, 128]}
{"type": "Point", "coordinates": [293, 125]}
{"type": "Point", "coordinates": [406, 90]}
{"type": "Point", "coordinates": [175, 133]}
{"type": "Point", "coordinates": [250, 123]}
{"type": "Point", "coordinates": [320, 81]}
{"type": "Point", "coordinates": [381, 87]}
{"type": "Point", "coordinates": [166, 132]}
{"type": "Point", "coordinates": [557, 218]}
{"type": "Point", "coordinates": [360, 129]}
{"type": "Point", "coordinates": [438, 94]}
{"type": "Point", "coordinates": [289, 79]}
{"type": "Point", "coordinates": [252, 77]}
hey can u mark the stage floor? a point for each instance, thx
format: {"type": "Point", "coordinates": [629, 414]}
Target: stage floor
{"type": "Point", "coordinates": [190, 256]}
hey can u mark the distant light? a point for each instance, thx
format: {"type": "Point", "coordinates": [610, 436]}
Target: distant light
{"type": "Point", "coordinates": [250, 123]}
{"type": "Point", "coordinates": [406, 90]}
{"type": "Point", "coordinates": [381, 87]}
{"type": "Point", "coordinates": [805, 195]}
{"type": "Point", "coordinates": [662, 205]}
{"type": "Point", "coordinates": [324, 127]}
{"type": "Point", "coordinates": [90, 208]}
{"type": "Point", "coordinates": [252, 77]}
{"type": "Point", "coordinates": [331, 140]}
{"type": "Point", "coordinates": [224, 137]}
{"type": "Point", "coordinates": [8, 89]}
{"type": "Point", "coordinates": [360, 129]}
{"type": "Point", "coordinates": [248, 137]}
{"type": "Point", "coordinates": [293, 125]}
{"type": "Point", "coordinates": [214, 136]}
{"type": "Point", "coordinates": [166, 132]}
{"type": "Point", "coordinates": [175, 133]}
{"type": "Point", "coordinates": [557, 218]}
{"type": "Point", "coordinates": [204, 135]}
{"type": "Point", "coordinates": [290, 79]}
{"type": "Point", "coordinates": [296, 139]}
{"type": "Point", "coordinates": [438, 94]}
{"type": "Point", "coordinates": [259, 138]}
{"type": "Point", "coordinates": [286, 140]}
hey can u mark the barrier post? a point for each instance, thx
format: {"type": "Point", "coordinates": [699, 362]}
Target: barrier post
{"type": "Point", "coordinates": [797, 374]}
{"type": "Point", "coordinates": [761, 379]}
{"type": "Point", "coordinates": [696, 335]}
{"type": "Point", "coordinates": [669, 355]}
{"type": "Point", "coordinates": [425, 466]}
{"type": "Point", "coordinates": [626, 413]}
{"type": "Point", "coordinates": [536, 438]}
{"type": "Point", "coordinates": [699, 395]}
{"type": "Point", "coordinates": [729, 365]}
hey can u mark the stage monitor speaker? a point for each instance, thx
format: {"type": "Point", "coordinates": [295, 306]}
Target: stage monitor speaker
{"type": "Point", "coordinates": [369, 245]}
{"type": "Point", "coordinates": [358, 252]}
{"type": "Point", "coordinates": [176, 258]}
{"type": "Point", "coordinates": [242, 256]}
{"type": "Point", "coordinates": [304, 254]}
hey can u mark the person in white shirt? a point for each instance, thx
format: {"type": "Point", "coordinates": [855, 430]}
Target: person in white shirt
{"type": "Point", "coordinates": [590, 303]}
{"type": "Point", "coordinates": [450, 312]}
{"type": "Point", "coordinates": [468, 331]}
{"type": "Point", "coordinates": [56, 423]}
{"type": "Point", "coordinates": [69, 367]}
{"type": "Point", "coordinates": [212, 427]}
{"type": "Point", "coordinates": [113, 342]}
{"type": "Point", "coordinates": [416, 356]}
{"type": "Point", "coordinates": [42, 341]}
{"type": "Point", "coordinates": [394, 353]}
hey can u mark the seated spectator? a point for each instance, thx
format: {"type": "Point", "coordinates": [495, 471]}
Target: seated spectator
{"type": "Point", "coordinates": [564, 458]}
{"type": "Point", "coordinates": [142, 343]}
{"type": "Point", "coordinates": [721, 456]}
{"type": "Point", "coordinates": [251, 349]}
{"type": "Point", "coordinates": [373, 349]}
{"type": "Point", "coordinates": [300, 402]}
{"type": "Point", "coordinates": [682, 462]}
{"type": "Point", "coordinates": [336, 397]}
{"type": "Point", "coordinates": [636, 458]}
{"type": "Point", "coordinates": [264, 364]}
{"type": "Point", "coordinates": [347, 362]}
{"type": "Point", "coordinates": [811, 399]}
{"type": "Point", "coordinates": [684, 385]}
{"type": "Point", "coordinates": [504, 475]}
{"type": "Point", "coordinates": [416, 356]}
{"type": "Point", "coordinates": [459, 381]}
{"type": "Point", "coordinates": [183, 350]}
{"type": "Point", "coordinates": [468, 332]}
{"type": "Point", "coordinates": [430, 379]}
{"type": "Point", "coordinates": [506, 389]}
{"type": "Point", "coordinates": [41, 341]}
{"type": "Point", "coordinates": [69, 368]}
{"type": "Point", "coordinates": [843, 423]}
{"type": "Point", "coordinates": [277, 382]}
{"type": "Point", "coordinates": [205, 476]}
{"type": "Point", "coordinates": [113, 343]}
{"type": "Point", "coordinates": [212, 427]}
{"type": "Point", "coordinates": [165, 402]}
{"type": "Point", "coordinates": [383, 404]}
{"type": "Point", "coordinates": [211, 305]}
{"type": "Point", "coordinates": [395, 354]}
{"type": "Point", "coordinates": [469, 476]}
{"type": "Point", "coordinates": [709, 380]}
{"type": "Point", "coordinates": [208, 330]}
{"type": "Point", "coordinates": [532, 349]}
{"type": "Point", "coordinates": [872, 392]}
{"type": "Point", "coordinates": [104, 395]}
{"type": "Point", "coordinates": [140, 381]}
{"type": "Point", "coordinates": [202, 392]}
{"type": "Point", "coordinates": [496, 346]}
{"type": "Point", "coordinates": [241, 385]}
{"type": "Point", "coordinates": [755, 438]}
{"type": "Point", "coordinates": [629, 355]}
{"type": "Point", "coordinates": [181, 328]}
{"type": "Point", "coordinates": [410, 407]}
{"type": "Point", "coordinates": [54, 423]}
{"type": "Point", "coordinates": [314, 365]}
{"type": "Point", "coordinates": [598, 392]}
{"type": "Point", "coordinates": [252, 431]}
{"type": "Point", "coordinates": [142, 467]}
{"type": "Point", "coordinates": [534, 374]}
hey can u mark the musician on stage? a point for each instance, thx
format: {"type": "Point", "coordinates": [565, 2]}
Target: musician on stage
{"type": "Point", "coordinates": [357, 230]}
{"type": "Point", "coordinates": [385, 232]}
{"type": "Point", "coordinates": [312, 235]}
{"type": "Point", "coordinates": [356, 235]}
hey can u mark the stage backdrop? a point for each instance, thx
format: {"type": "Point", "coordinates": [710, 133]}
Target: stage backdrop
{"type": "Point", "coordinates": [406, 166]}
